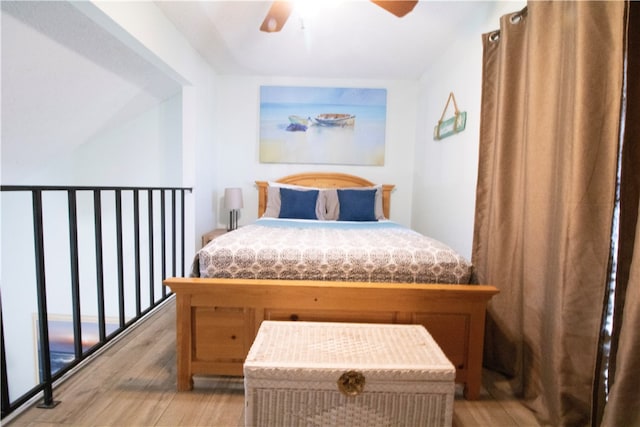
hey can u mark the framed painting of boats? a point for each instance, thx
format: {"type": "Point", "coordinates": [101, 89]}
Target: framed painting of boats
{"type": "Point", "coordinates": [322, 125]}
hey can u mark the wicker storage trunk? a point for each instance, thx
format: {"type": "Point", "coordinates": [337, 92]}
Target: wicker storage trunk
{"type": "Point", "coordinates": [347, 374]}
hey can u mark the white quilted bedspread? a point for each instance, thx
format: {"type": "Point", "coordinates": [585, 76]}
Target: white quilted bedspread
{"type": "Point", "coordinates": [381, 251]}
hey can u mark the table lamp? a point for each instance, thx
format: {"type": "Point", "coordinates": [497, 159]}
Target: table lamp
{"type": "Point", "coordinates": [233, 202]}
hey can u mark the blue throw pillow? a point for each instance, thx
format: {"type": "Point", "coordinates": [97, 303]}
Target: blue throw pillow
{"type": "Point", "coordinates": [357, 205]}
{"type": "Point", "coordinates": [298, 204]}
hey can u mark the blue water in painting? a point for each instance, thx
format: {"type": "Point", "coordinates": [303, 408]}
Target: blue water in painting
{"type": "Point", "coordinates": [61, 342]}
{"type": "Point", "coordinates": [362, 143]}
{"type": "Point", "coordinates": [59, 360]}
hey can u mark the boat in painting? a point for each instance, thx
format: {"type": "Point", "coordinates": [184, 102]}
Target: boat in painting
{"type": "Point", "coordinates": [335, 119]}
{"type": "Point", "coordinates": [298, 123]}
{"type": "Point", "coordinates": [299, 120]}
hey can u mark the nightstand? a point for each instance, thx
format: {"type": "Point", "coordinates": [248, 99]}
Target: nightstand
{"type": "Point", "coordinates": [207, 237]}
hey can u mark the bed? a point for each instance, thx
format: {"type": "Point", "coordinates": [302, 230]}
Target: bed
{"type": "Point", "coordinates": [217, 317]}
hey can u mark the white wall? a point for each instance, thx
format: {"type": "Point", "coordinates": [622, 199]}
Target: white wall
{"type": "Point", "coordinates": [143, 27]}
{"type": "Point", "coordinates": [237, 134]}
{"type": "Point", "coordinates": [446, 170]}
{"type": "Point", "coordinates": [144, 151]}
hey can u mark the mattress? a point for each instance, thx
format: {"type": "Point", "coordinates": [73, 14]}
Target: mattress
{"type": "Point", "coordinates": [369, 251]}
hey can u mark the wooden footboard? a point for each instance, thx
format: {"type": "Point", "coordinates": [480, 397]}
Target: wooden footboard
{"type": "Point", "coordinates": [217, 319]}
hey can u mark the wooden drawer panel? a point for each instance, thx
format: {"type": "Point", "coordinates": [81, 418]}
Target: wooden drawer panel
{"type": "Point", "coordinates": [220, 334]}
{"type": "Point", "coordinates": [447, 330]}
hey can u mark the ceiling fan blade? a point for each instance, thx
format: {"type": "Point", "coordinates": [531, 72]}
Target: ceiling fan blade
{"type": "Point", "coordinates": [398, 8]}
{"type": "Point", "coordinates": [276, 17]}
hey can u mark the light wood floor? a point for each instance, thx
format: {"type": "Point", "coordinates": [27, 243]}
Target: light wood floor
{"type": "Point", "coordinates": [132, 383]}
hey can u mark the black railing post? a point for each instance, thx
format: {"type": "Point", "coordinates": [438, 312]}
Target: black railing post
{"type": "Point", "coordinates": [173, 232]}
{"type": "Point", "coordinates": [43, 324]}
{"type": "Point", "coordinates": [163, 236]}
{"type": "Point", "coordinates": [136, 246]}
{"type": "Point", "coordinates": [6, 403]}
{"type": "Point", "coordinates": [152, 297]}
{"type": "Point", "coordinates": [182, 229]}
{"type": "Point", "coordinates": [120, 255]}
{"type": "Point", "coordinates": [97, 227]}
{"type": "Point", "coordinates": [75, 274]}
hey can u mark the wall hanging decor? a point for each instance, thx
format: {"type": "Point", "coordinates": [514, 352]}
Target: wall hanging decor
{"type": "Point", "coordinates": [452, 125]}
{"type": "Point", "coordinates": [322, 125]}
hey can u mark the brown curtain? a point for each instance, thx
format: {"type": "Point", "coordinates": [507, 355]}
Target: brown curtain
{"type": "Point", "coordinates": [623, 405]}
{"type": "Point", "coordinates": [549, 143]}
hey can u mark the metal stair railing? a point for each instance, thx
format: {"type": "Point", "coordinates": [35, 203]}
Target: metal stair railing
{"type": "Point", "coordinates": [165, 227]}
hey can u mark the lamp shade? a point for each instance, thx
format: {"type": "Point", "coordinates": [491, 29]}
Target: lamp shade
{"type": "Point", "coordinates": [233, 198]}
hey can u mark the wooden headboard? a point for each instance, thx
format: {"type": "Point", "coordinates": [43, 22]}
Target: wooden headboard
{"type": "Point", "coordinates": [324, 180]}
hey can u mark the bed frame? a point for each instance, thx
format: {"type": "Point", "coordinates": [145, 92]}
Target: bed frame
{"type": "Point", "coordinates": [218, 319]}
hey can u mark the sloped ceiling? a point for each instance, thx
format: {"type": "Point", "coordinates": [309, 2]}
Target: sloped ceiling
{"type": "Point", "coordinates": [64, 80]}
{"type": "Point", "coordinates": [336, 39]}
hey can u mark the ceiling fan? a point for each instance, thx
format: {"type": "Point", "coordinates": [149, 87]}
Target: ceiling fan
{"type": "Point", "coordinates": [280, 10]}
